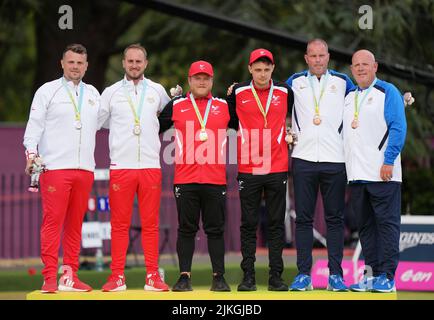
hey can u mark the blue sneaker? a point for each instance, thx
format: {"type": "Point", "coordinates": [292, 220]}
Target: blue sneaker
{"type": "Point", "coordinates": [364, 285]}
{"type": "Point", "coordinates": [302, 282]}
{"type": "Point", "coordinates": [336, 283]}
{"type": "Point", "coordinates": [384, 284]}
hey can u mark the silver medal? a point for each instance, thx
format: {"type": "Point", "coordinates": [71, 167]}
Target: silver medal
{"type": "Point", "coordinates": [137, 130]}
{"type": "Point", "coordinates": [77, 124]}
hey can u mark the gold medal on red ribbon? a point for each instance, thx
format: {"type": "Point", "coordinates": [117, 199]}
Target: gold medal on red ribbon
{"type": "Point", "coordinates": [317, 120]}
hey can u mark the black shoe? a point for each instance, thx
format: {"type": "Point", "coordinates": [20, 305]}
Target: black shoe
{"type": "Point", "coordinates": [219, 283]}
{"type": "Point", "coordinates": [183, 284]}
{"type": "Point", "coordinates": [248, 283]}
{"type": "Point", "coordinates": [275, 283]}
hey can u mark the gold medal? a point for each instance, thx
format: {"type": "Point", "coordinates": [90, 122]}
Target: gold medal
{"type": "Point", "coordinates": [203, 136]}
{"type": "Point", "coordinates": [354, 123]}
{"type": "Point", "coordinates": [317, 120]}
{"type": "Point", "coordinates": [137, 129]}
{"type": "Point", "coordinates": [77, 124]}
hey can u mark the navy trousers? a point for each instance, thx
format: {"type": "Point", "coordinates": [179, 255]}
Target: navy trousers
{"type": "Point", "coordinates": [330, 179]}
{"type": "Point", "coordinates": [377, 207]}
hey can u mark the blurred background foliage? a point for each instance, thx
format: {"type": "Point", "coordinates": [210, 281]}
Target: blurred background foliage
{"type": "Point", "coordinates": [31, 44]}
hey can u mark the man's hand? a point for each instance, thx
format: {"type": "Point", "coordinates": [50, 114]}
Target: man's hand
{"type": "Point", "coordinates": [29, 166]}
{"type": "Point", "coordinates": [386, 172]}
{"type": "Point", "coordinates": [231, 87]}
{"type": "Point", "coordinates": [177, 91]}
{"type": "Point", "coordinates": [408, 99]}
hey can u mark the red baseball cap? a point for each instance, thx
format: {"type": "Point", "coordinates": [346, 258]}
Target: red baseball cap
{"type": "Point", "coordinates": [259, 53]}
{"type": "Point", "coordinates": [201, 67]}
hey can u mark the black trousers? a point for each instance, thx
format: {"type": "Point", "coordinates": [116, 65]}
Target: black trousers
{"type": "Point", "coordinates": [330, 179]}
{"type": "Point", "coordinates": [251, 188]}
{"type": "Point", "coordinates": [192, 200]}
{"type": "Point", "coordinates": [378, 210]}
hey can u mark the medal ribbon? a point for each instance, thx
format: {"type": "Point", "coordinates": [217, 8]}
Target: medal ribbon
{"type": "Point", "coordinates": [356, 99]}
{"type": "Point", "coordinates": [315, 101]}
{"type": "Point", "coordinates": [130, 102]}
{"type": "Point", "coordinates": [198, 115]}
{"type": "Point", "coordinates": [258, 102]}
{"type": "Point", "coordinates": [77, 108]}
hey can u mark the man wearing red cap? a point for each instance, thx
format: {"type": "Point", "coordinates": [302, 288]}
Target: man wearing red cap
{"type": "Point", "coordinates": [200, 122]}
{"type": "Point", "coordinates": [129, 109]}
{"type": "Point", "coordinates": [259, 109]}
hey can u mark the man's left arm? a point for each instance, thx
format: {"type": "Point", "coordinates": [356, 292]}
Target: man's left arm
{"type": "Point", "coordinates": [394, 114]}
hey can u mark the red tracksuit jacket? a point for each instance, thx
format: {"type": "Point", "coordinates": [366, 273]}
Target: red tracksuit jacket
{"type": "Point", "coordinates": [261, 150]}
{"type": "Point", "coordinates": [198, 161]}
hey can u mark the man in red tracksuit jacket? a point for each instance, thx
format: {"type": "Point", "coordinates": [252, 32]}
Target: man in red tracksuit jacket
{"type": "Point", "coordinates": [200, 122]}
{"type": "Point", "coordinates": [259, 108]}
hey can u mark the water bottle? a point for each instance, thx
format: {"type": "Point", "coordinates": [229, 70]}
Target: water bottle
{"type": "Point", "coordinates": [99, 260]}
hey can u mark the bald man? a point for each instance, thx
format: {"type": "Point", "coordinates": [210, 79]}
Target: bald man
{"type": "Point", "coordinates": [318, 161]}
{"type": "Point", "coordinates": [374, 130]}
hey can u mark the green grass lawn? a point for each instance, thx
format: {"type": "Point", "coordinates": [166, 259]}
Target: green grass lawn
{"type": "Point", "coordinates": [15, 284]}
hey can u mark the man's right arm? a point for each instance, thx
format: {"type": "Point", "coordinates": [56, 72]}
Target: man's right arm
{"type": "Point", "coordinates": [231, 100]}
{"type": "Point", "coordinates": [104, 110]}
{"type": "Point", "coordinates": [35, 126]}
{"type": "Point", "coordinates": [165, 117]}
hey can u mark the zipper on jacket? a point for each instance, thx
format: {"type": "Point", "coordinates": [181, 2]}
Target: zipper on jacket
{"type": "Point", "coordinates": [79, 148]}
{"type": "Point", "coordinates": [138, 148]}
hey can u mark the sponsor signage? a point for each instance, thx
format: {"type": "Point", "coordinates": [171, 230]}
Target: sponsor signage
{"type": "Point", "coordinates": [416, 264]}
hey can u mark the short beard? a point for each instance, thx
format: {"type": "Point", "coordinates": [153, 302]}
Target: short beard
{"type": "Point", "coordinates": [130, 77]}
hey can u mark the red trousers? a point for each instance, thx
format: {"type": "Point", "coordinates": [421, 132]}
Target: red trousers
{"type": "Point", "coordinates": [65, 196]}
{"type": "Point", "coordinates": [124, 184]}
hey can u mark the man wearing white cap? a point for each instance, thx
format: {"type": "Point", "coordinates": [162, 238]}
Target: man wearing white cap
{"type": "Point", "coordinates": [259, 109]}
{"type": "Point", "coordinates": [200, 122]}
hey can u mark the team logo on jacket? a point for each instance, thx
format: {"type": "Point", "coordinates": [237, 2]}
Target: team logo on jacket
{"type": "Point", "coordinates": [116, 187]}
{"type": "Point", "coordinates": [51, 189]}
{"type": "Point", "coordinates": [91, 102]}
{"type": "Point", "coordinates": [215, 110]}
{"type": "Point", "coordinates": [150, 100]}
{"type": "Point", "coordinates": [333, 89]}
{"type": "Point", "coordinates": [275, 100]}
{"type": "Point", "coordinates": [370, 100]}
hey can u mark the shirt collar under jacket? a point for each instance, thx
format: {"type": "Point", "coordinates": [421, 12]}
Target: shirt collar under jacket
{"type": "Point", "coordinates": [130, 83]}
{"type": "Point", "coordinates": [70, 83]}
{"type": "Point", "coordinates": [209, 96]}
{"type": "Point", "coordinates": [312, 75]}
